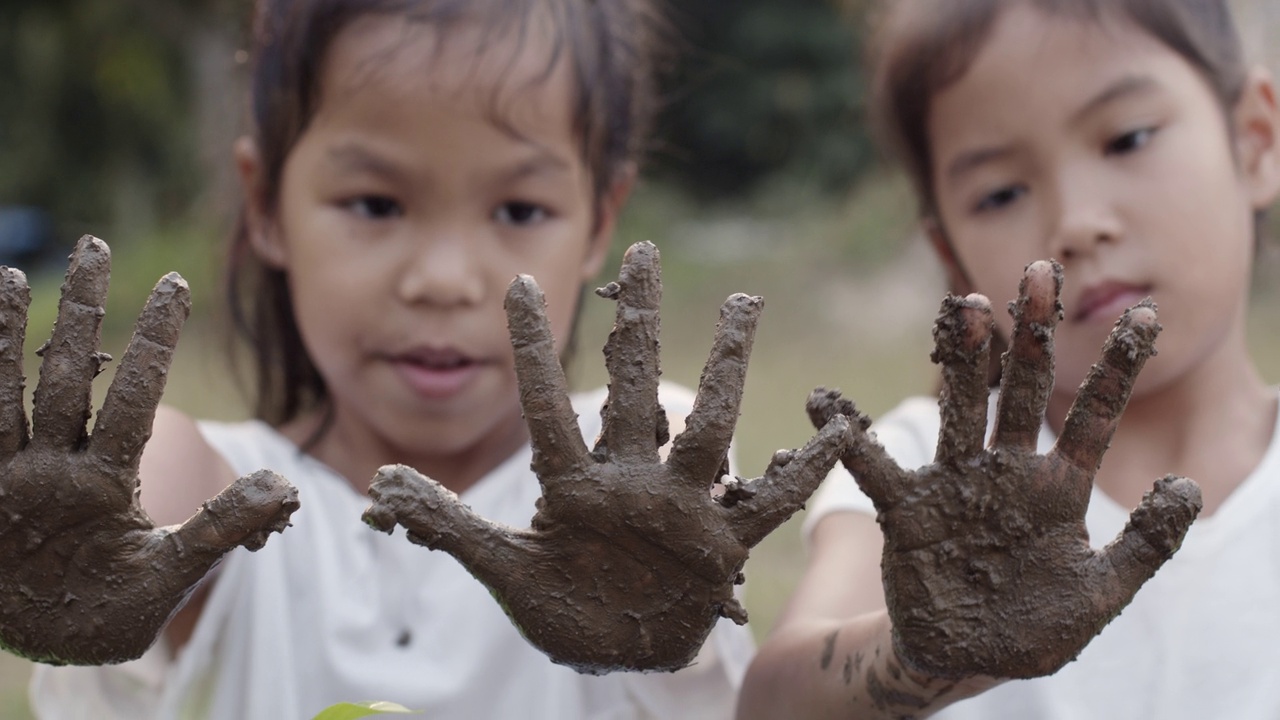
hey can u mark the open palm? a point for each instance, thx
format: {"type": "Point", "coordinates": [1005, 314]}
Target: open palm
{"type": "Point", "coordinates": [987, 564]}
{"type": "Point", "coordinates": [630, 560]}
{"type": "Point", "coordinates": [85, 577]}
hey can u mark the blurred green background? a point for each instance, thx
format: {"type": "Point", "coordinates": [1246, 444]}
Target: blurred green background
{"type": "Point", "coordinates": [118, 117]}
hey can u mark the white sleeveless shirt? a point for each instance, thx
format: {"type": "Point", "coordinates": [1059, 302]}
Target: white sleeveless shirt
{"type": "Point", "coordinates": [331, 611]}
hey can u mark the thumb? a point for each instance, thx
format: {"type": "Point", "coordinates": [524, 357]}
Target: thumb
{"type": "Point", "coordinates": [1153, 534]}
{"type": "Point", "coordinates": [243, 514]}
{"type": "Point", "coordinates": [435, 517]}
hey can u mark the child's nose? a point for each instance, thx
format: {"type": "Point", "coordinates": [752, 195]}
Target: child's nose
{"type": "Point", "coordinates": [440, 268]}
{"type": "Point", "coordinates": [1085, 220]}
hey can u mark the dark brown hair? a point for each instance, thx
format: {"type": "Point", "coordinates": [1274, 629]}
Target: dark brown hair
{"type": "Point", "coordinates": [611, 46]}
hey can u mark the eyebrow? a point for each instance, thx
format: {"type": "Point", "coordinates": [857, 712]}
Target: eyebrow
{"type": "Point", "coordinates": [1127, 86]}
{"type": "Point", "coordinates": [966, 162]}
{"type": "Point", "coordinates": [542, 162]}
{"type": "Point", "coordinates": [353, 158]}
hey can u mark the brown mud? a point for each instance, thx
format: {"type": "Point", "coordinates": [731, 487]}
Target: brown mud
{"type": "Point", "coordinates": [987, 565]}
{"type": "Point", "coordinates": [85, 576]}
{"type": "Point", "coordinates": [629, 560]}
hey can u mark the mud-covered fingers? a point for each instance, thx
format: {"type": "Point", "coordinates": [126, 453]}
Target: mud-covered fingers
{"type": "Point", "coordinates": [244, 514]}
{"type": "Point", "coordinates": [1153, 534]}
{"type": "Point", "coordinates": [699, 451]}
{"type": "Point", "coordinates": [879, 476]}
{"type": "Point", "coordinates": [398, 491]}
{"type": "Point", "coordinates": [1094, 415]}
{"type": "Point", "coordinates": [15, 299]}
{"type": "Point", "coordinates": [124, 423]}
{"type": "Point", "coordinates": [1027, 371]}
{"type": "Point", "coordinates": [554, 434]}
{"type": "Point", "coordinates": [631, 357]}
{"type": "Point", "coordinates": [825, 403]}
{"type": "Point", "coordinates": [71, 358]}
{"type": "Point", "coordinates": [435, 517]}
{"type": "Point", "coordinates": [788, 482]}
{"type": "Point", "coordinates": [962, 343]}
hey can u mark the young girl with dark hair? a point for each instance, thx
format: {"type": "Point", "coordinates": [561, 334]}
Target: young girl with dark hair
{"type": "Point", "coordinates": [1130, 141]}
{"type": "Point", "coordinates": [408, 160]}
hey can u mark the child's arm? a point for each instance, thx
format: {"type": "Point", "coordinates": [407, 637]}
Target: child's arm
{"type": "Point", "coordinates": [986, 564]}
{"type": "Point", "coordinates": [630, 560]}
{"type": "Point", "coordinates": [85, 576]}
{"type": "Point", "coordinates": [834, 637]}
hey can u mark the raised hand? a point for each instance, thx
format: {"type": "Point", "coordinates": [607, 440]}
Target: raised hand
{"type": "Point", "coordinates": [987, 564]}
{"type": "Point", "coordinates": [85, 577]}
{"type": "Point", "coordinates": [630, 560]}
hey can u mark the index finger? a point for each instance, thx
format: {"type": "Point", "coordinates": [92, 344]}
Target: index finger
{"type": "Point", "coordinates": [699, 452]}
{"type": "Point", "coordinates": [1094, 415]}
{"type": "Point", "coordinates": [554, 434]}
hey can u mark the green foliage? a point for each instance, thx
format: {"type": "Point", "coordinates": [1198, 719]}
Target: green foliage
{"type": "Point", "coordinates": [96, 119]}
{"type": "Point", "coordinates": [99, 125]}
{"type": "Point", "coordinates": [136, 266]}
{"type": "Point", "coordinates": [764, 87]}
{"type": "Point", "coordinates": [351, 711]}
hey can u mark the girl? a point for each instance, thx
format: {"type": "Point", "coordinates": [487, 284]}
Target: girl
{"type": "Point", "coordinates": [408, 160]}
{"type": "Point", "coordinates": [1128, 140]}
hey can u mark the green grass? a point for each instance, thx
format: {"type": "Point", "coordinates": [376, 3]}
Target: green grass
{"type": "Point", "coordinates": [847, 304]}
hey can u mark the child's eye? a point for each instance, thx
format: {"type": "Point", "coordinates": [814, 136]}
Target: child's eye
{"type": "Point", "coordinates": [1000, 198]}
{"type": "Point", "coordinates": [375, 207]}
{"type": "Point", "coordinates": [1130, 141]}
{"type": "Point", "coordinates": [519, 213]}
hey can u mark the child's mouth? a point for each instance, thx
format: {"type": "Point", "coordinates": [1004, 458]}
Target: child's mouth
{"type": "Point", "coordinates": [1106, 302]}
{"type": "Point", "coordinates": [436, 374]}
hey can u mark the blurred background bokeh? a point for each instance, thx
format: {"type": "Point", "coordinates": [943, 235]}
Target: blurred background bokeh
{"type": "Point", "coordinates": [117, 116]}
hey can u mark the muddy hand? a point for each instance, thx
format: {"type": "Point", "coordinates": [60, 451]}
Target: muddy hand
{"type": "Point", "coordinates": [987, 564]}
{"type": "Point", "coordinates": [85, 577]}
{"type": "Point", "coordinates": [630, 560]}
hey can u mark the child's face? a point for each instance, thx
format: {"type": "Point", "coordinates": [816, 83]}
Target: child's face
{"type": "Point", "coordinates": [1095, 144]}
{"type": "Point", "coordinates": [430, 176]}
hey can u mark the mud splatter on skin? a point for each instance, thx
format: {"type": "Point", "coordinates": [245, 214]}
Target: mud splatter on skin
{"type": "Point", "coordinates": [885, 697]}
{"type": "Point", "coordinates": [848, 669]}
{"type": "Point", "coordinates": [85, 576]}
{"type": "Point", "coordinates": [987, 565]}
{"type": "Point", "coordinates": [630, 561]}
{"type": "Point", "coordinates": [829, 649]}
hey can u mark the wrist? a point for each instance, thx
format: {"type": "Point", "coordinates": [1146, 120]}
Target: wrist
{"type": "Point", "coordinates": [896, 684]}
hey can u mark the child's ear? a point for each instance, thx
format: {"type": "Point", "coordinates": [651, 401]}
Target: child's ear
{"type": "Point", "coordinates": [608, 208]}
{"type": "Point", "coordinates": [957, 279]}
{"type": "Point", "coordinates": [1257, 129]}
{"type": "Point", "coordinates": [263, 236]}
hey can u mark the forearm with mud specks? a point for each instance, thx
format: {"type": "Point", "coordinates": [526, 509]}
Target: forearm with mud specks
{"type": "Point", "coordinates": [844, 669]}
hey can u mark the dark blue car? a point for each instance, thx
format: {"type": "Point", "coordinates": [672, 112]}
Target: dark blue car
{"type": "Point", "coordinates": [26, 236]}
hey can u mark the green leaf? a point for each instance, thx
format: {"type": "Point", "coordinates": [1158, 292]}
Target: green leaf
{"type": "Point", "coordinates": [351, 711]}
